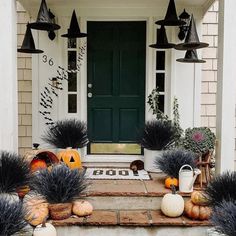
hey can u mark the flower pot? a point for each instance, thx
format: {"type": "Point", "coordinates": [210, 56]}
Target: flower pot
{"type": "Point", "coordinates": [60, 211]}
{"type": "Point", "coordinates": [150, 156]}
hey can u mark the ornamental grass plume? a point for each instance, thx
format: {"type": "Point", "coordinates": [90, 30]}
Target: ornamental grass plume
{"type": "Point", "coordinates": [67, 133]}
{"type": "Point", "coordinates": [224, 218]}
{"type": "Point", "coordinates": [171, 161]}
{"type": "Point", "coordinates": [11, 216]}
{"type": "Point", "coordinates": [59, 185]}
{"type": "Point", "coordinates": [222, 188]}
{"type": "Point", "coordinates": [14, 172]}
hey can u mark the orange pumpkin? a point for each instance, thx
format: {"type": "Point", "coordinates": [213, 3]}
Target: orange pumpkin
{"type": "Point", "coordinates": [171, 181]}
{"type": "Point", "coordinates": [37, 164]}
{"type": "Point", "coordinates": [199, 198]}
{"type": "Point", "coordinates": [70, 157]}
{"type": "Point", "coordinates": [197, 212]}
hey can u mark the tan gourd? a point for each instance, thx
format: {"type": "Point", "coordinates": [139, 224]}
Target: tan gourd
{"type": "Point", "coordinates": [82, 208]}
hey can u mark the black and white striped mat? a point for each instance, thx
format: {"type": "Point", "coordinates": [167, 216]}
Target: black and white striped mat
{"type": "Point", "coordinates": [116, 173]}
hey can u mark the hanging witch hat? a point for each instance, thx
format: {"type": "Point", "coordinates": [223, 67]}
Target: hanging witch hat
{"type": "Point", "coordinates": [44, 22]}
{"type": "Point", "coordinates": [191, 57]}
{"type": "Point", "coordinates": [171, 18]}
{"type": "Point", "coordinates": [28, 45]}
{"type": "Point", "coordinates": [162, 41]}
{"type": "Point", "coordinates": [74, 30]}
{"type": "Point", "coordinates": [192, 39]}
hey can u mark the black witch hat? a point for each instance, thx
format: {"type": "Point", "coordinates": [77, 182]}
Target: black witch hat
{"type": "Point", "coordinates": [74, 30]}
{"type": "Point", "coordinates": [171, 18]}
{"type": "Point", "coordinates": [28, 45]}
{"type": "Point", "coordinates": [191, 57]}
{"type": "Point", "coordinates": [44, 22]}
{"type": "Point", "coordinates": [192, 39]}
{"type": "Point", "coordinates": [162, 41]}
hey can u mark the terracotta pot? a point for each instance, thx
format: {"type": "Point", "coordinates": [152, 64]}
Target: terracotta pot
{"type": "Point", "coordinates": [60, 211]}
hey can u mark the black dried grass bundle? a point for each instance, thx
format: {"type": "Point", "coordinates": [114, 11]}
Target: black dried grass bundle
{"type": "Point", "coordinates": [60, 185]}
{"type": "Point", "coordinates": [171, 161]}
{"type": "Point", "coordinates": [14, 172]}
{"type": "Point", "coordinates": [158, 135]}
{"type": "Point", "coordinates": [11, 215]}
{"type": "Point", "coordinates": [224, 218]}
{"type": "Point", "coordinates": [222, 187]}
{"type": "Point", "coordinates": [67, 133]}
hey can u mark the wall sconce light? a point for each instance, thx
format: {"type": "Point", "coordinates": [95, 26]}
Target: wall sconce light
{"type": "Point", "coordinates": [183, 29]}
{"type": "Point", "coordinates": [51, 33]}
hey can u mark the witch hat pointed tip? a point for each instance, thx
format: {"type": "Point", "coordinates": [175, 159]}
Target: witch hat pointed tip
{"type": "Point", "coordinates": [171, 18]}
{"type": "Point", "coordinates": [191, 57]}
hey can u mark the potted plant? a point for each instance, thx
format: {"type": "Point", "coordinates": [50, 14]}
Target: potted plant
{"type": "Point", "coordinates": [68, 135]}
{"type": "Point", "coordinates": [14, 173]}
{"type": "Point", "coordinates": [157, 136]}
{"type": "Point", "coordinates": [60, 186]}
{"type": "Point", "coordinates": [170, 163]}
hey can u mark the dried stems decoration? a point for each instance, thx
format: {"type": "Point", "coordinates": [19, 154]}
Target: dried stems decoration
{"type": "Point", "coordinates": [157, 135]}
{"type": "Point", "coordinates": [224, 218]}
{"type": "Point", "coordinates": [14, 172]}
{"type": "Point", "coordinates": [171, 161]}
{"type": "Point", "coordinates": [12, 215]}
{"type": "Point", "coordinates": [60, 185]}
{"type": "Point", "coordinates": [67, 133]}
{"type": "Point", "coordinates": [222, 188]}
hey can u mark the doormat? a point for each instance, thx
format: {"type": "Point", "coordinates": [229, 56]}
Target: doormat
{"type": "Point", "coordinates": [116, 173]}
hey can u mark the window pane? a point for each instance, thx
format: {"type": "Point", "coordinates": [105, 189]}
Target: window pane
{"type": "Point", "coordinates": [162, 102]}
{"type": "Point", "coordinates": [72, 60]}
{"type": "Point", "coordinates": [72, 82]}
{"type": "Point", "coordinates": [72, 103]}
{"type": "Point", "coordinates": [160, 60]}
{"type": "Point", "coordinates": [160, 82]}
{"type": "Point", "coordinates": [71, 42]}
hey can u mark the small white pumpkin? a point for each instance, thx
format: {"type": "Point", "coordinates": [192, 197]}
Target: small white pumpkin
{"type": "Point", "coordinates": [82, 208]}
{"type": "Point", "coordinates": [45, 229]}
{"type": "Point", "coordinates": [172, 204]}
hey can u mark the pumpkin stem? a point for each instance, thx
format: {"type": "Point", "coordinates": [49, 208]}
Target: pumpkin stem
{"type": "Point", "coordinates": [44, 222]}
{"type": "Point", "coordinates": [173, 189]}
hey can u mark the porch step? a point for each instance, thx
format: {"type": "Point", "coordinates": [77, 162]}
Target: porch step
{"type": "Point", "coordinates": [128, 194]}
{"type": "Point", "coordinates": [130, 222]}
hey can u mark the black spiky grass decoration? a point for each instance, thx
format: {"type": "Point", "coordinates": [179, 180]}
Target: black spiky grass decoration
{"type": "Point", "coordinates": [67, 133]}
{"type": "Point", "coordinates": [171, 161]}
{"type": "Point", "coordinates": [222, 188]}
{"type": "Point", "coordinates": [11, 216]}
{"type": "Point", "coordinates": [14, 172]}
{"type": "Point", "coordinates": [224, 218]}
{"type": "Point", "coordinates": [158, 135]}
{"type": "Point", "coordinates": [60, 185]}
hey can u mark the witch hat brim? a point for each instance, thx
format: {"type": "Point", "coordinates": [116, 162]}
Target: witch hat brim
{"type": "Point", "coordinates": [44, 22]}
{"type": "Point", "coordinates": [171, 18]}
{"type": "Point", "coordinates": [74, 30]}
{"type": "Point", "coordinates": [162, 41]}
{"type": "Point", "coordinates": [192, 39]}
{"type": "Point", "coordinates": [28, 45]}
{"type": "Point", "coordinates": [191, 57]}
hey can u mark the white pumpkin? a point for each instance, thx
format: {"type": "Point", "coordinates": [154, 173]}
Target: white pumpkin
{"type": "Point", "coordinates": [45, 230]}
{"type": "Point", "coordinates": [172, 204]}
{"type": "Point", "coordinates": [82, 208]}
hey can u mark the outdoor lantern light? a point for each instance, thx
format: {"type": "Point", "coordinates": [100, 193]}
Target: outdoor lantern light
{"type": "Point", "coordinates": [74, 30]}
{"type": "Point", "coordinates": [192, 39]}
{"type": "Point", "coordinates": [162, 41]}
{"type": "Point", "coordinates": [171, 18]}
{"type": "Point", "coordinates": [184, 16]}
{"type": "Point", "coordinates": [28, 45]}
{"type": "Point", "coordinates": [51, 34]}
{"type": "Point", "coordinates": [44, 22]}
{"type": "Point", "coordinates": [191, 57]}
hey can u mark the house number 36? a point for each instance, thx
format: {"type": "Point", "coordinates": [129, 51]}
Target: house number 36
{"type": "Point", "coordinates": [50, 61]}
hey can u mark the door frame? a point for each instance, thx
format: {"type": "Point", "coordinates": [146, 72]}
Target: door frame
{"type": "Point", "coordinates": [149, 84]}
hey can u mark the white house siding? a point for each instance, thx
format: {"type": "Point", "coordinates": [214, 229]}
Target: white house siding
{"type": "Point", "coordinates": [24, 86]}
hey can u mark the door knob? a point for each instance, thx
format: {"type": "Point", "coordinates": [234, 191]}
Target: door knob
{"type": "Point", "coordinates": [90, 85]}
{"type": "Point", "coordinates": [90, 95]}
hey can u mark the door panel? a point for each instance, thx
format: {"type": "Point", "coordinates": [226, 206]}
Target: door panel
{"type": "Point", "coordinates": [116, 71]}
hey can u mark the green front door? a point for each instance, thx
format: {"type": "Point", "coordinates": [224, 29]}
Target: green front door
{"type": "Point", "coordinates": [116, 82]}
